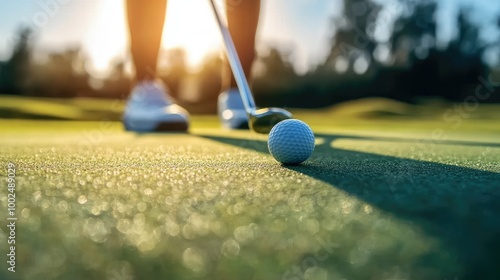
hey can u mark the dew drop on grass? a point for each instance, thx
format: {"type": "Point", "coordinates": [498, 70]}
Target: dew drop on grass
{"type": "Point", "coordinates": [82, 199]}
{"type": "Point", "coordinates": [172, 228]}
{"type": "Point", "coordinates": [123, 225]}
{"type": "Point", "coordinates": [25, 213]}
{"type": "Point", "coordinates": [194, 259]}
{"type": "Point", "coordinates": [230, 248]}
{"type": "Point", "coordinates": [142, 206]}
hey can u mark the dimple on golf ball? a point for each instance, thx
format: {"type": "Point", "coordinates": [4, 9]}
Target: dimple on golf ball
{"type": "Point", "coordinates": [291, 141]}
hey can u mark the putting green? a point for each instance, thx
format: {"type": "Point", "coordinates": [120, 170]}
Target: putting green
{"type": "Point", "coordinates": [379, 199]}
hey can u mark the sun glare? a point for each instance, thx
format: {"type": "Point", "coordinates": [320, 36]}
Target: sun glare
{"type": "Point", "coordinates": [107, 37]}
{"type": "Point", "coordinates": [189, 25]}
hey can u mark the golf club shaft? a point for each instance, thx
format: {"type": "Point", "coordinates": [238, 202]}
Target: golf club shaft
{"type": "Point", "coordinates": [234, 62]}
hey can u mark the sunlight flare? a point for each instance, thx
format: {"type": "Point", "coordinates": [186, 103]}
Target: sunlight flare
{"type": "Point", "coordinates": [189, 25]}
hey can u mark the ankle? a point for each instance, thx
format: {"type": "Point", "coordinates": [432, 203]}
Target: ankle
{"type": "Point", "coordinates": [144, 79]}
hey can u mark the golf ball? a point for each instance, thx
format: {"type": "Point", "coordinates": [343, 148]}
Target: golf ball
{"type": "Point", "coordinates": [291, 141]}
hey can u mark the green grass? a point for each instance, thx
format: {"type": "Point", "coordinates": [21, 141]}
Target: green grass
{"type": "Point", "coordinates": [379, 199]}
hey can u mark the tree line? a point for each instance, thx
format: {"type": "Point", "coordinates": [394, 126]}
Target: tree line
{"type": "Point", "coordinates": [374, 51]}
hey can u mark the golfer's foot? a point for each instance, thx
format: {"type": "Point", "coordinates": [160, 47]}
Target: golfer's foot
{"type": "Point", "coordinates": [231, 110]}
{"type": "Point", "coordinates": [149, 108]}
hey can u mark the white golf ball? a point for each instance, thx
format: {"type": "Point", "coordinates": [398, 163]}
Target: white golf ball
{"type": "Point", "coordinates": [291, 141]}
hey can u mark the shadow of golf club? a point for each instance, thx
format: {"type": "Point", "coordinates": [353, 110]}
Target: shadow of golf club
{"type": "Point", "coordinates": [457, 205]}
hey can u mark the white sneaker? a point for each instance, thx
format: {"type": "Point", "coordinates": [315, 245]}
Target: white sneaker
{"type": "Point", "coordinates": [149, 108]}
{"type": "Point", "coordinates": [231, 110]}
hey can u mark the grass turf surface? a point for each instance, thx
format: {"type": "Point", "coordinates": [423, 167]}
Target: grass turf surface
{"type": "Point", "coordinates": [378, 199]}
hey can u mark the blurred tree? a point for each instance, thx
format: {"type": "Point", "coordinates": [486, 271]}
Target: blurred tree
{"type": "Point", "coordinates": [210, 78]}
{"type": "Point", "coordinates": [15, 72]}
{"type": "Point", "coordinates": [276, 63]}
{"type": "Point", "coordinates": [433, 71]}
{"type": "Point", "coordinates": [352, 42]}
{"type": "Point", "coordinates": [414, 33]}
{"type": "Point", "coordinates": [415, 62]}
{"type": "Point", "coordinates": [275, 76]}
{"type": "Point", "coordinates": [4, 78]}
{"type": "Point", "coordinates": [390, 50]}
{"type": "Point", "coordinates": [117, 84]}
{"type": "Point", "coordinates": [60, 75]}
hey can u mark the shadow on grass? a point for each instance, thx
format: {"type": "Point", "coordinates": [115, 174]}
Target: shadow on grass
{"type": "Point", "coordinates": [459, 206]}
{"type": "Point", "coordinates": [409, 140]}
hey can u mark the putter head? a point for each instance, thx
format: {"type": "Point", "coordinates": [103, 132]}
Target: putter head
{"type": "Point", "coordinates": [263, 120]}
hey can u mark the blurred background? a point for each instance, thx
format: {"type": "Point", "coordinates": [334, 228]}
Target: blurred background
{"type": "Point", "coordinates": [311, 53]}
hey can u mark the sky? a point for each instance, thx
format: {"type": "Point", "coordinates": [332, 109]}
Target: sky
{"type": "Point", "coordinates": [99, 26]}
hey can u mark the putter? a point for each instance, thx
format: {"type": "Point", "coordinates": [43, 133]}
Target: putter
{"type": "Point", "coordinates": [259, 120]}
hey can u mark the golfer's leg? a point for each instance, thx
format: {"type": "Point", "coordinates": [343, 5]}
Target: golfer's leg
{"type": "Point", "coordinates": [148, 107]}
{"type": "Point", "coordinates": [243, 18]}
{"type": "Point", "coordinates": [145, 20]}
